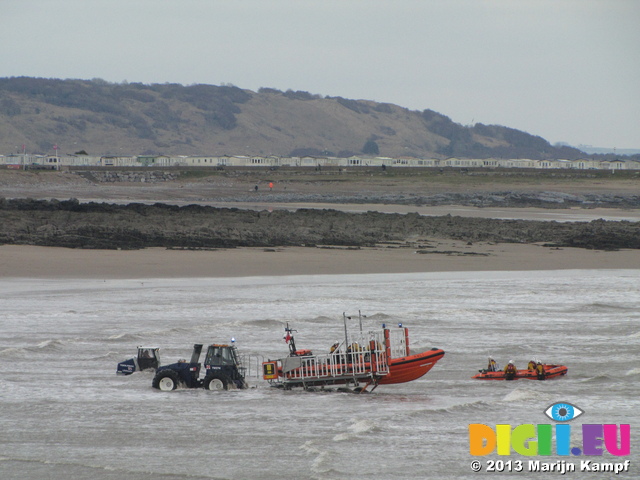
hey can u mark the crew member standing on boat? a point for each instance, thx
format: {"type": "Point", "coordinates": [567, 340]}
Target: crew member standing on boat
{"type": "Point", "coordinates": [493, 366]}
{"type": "Point", "coordinates": [510, 371]}
{"type": "Point", "coordinates": [532, 365]}
{"type": "Point", "coordinates": [540, 371]}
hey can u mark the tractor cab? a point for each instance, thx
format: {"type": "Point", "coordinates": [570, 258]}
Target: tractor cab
{"type": "Point", "coordinates": [148, 358]}
{"type": "Point", "coordinates": [224, 368]}
{"type": "Point", "coordinates": [220, 355]}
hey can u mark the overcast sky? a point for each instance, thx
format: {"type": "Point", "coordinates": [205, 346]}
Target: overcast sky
{"type": "Point", "coordinates": [567, 70]}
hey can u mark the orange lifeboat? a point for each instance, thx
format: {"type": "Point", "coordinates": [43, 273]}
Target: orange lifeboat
{"type": "Point", "coordinates": [371, 358]}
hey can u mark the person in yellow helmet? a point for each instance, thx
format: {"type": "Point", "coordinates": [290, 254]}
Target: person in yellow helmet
{"type": "Point", "coordinates": [540, 371]}
{"type": "Point", "coordinates": [492, 366]}
{"type": "Point", "coordinates": [510, 371]}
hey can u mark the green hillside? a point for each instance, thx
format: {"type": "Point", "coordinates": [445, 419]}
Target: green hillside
{"type": "Point", "coordinates": [132, 118]}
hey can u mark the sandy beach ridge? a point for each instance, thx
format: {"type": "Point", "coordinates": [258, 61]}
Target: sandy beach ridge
{"type": "Point", "coordinates": [18, 261]}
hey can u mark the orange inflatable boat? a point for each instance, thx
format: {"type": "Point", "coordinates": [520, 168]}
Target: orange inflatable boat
{"type": "Point", "coordinates": [550, 371]}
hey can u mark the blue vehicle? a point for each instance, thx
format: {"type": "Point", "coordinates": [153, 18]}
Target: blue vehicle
{"type": "Point", "coordinates": [148, 359]}
{"type": "Point", "coordinates": [223, 370]}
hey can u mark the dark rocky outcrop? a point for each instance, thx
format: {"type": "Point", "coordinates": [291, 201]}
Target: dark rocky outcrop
{"type": "Point", "coordinates": [73, 224]}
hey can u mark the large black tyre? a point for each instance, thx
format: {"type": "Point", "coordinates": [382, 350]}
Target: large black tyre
{"type": "Point", "coordinates": [216, 382]}
{"type": "Point", "coordinates": [166, 380]}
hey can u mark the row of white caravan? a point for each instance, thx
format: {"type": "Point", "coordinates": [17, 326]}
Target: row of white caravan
{"type": "Point", "coordinates": [59, 161]}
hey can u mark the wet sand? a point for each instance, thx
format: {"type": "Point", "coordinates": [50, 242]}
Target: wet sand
{"type": "Point", "coordinates": [446, 255]}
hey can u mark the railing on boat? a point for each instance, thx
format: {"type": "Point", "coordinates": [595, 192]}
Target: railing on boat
{"type": "Point", "coordinates": [366, 356]}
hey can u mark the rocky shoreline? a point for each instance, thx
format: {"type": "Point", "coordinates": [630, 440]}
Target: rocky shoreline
{"type": "Point", "coordinates": [493, 199]}
{"type": "Point", "coordinates": [94, 225]}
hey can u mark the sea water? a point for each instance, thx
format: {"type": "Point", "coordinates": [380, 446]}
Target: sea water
{"type": "Point", "coordinates": [65, 414]}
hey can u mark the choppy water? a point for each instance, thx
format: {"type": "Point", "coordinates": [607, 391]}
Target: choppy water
{"type": "Point", "coordinates": [64, 414]}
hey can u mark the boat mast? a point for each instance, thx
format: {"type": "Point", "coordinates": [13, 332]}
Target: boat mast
{"type": "Point", "coordinates": [290, 340]}
{"type": "Point", "coordinates": [346, 338]}
{"type": "Point", "coordinates": [360, 317]}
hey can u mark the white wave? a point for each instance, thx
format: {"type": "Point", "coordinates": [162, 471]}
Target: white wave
{"type": "Point", "coordinates": [111, 355]}
{"type": "Point", "coordinates": [358, 427]}
{"type": "Point", "coordinates": [320, 457]}
{"type": "Point", "coordinates": [475, 405]}
{"type": "Point", "coordinates": [122, 336]}
{"type": "Point", "coordinates": [12, 351]}
{"type": "Point", "coordinates": [317, 463]}
{"type": "Point", "coordinates": [309, 447]}
{"type": "Point", "coordinates": [523, 394]}
{"type": "Point", "coordinates": [599, 379]}
{"type": "Point", "coordinates": [48, 345]}
{"type": "Point", "coordinates": [362, 426]}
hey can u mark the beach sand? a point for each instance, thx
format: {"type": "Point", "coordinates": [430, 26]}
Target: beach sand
{"type": "Point", "coordinates": [444, 256]}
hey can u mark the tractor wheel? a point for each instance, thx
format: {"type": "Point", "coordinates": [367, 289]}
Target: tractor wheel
{"type": "Point", "coordinates": [166, 380]}
{"type": "Point", "coordinates": [216, 382]}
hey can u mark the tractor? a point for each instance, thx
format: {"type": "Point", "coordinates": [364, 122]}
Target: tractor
{"type": "Point", "coordinates": [148, 359]}
{"type": "Point", "coordinates": [223, 370]}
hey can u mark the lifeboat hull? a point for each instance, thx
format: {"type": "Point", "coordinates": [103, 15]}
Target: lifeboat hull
{"type": "Point", "coordinates": [411, 367]}
{"type": "Point", "coordinates": [550, 371]}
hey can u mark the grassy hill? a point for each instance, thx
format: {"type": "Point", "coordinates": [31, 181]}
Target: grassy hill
{"type": "Point", "coordinates": [133, 118]}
